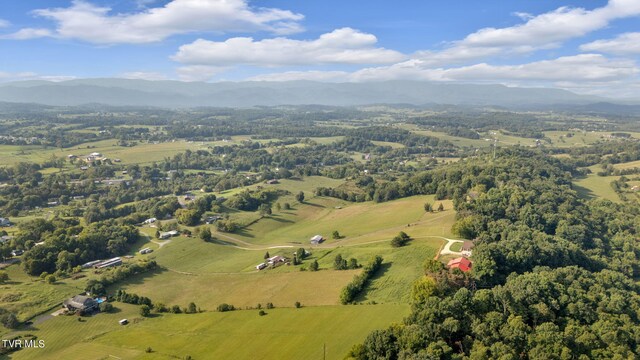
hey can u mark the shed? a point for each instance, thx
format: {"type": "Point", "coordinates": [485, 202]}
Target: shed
{"type": "Point", "coordinates": [317, 239]}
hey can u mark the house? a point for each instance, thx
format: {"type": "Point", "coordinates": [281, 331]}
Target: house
{"type": "Point", "coordinates": [5, 239]}
{"type": "Point", "coordinates": [261, 266]}
{"type": "Point", "coordinates": [96, 154]}
{"type": "Point", "coordinates": [272, 182]}
{"type": "Point", "coordinates": [71, 156]}
{"type": "Point", "coordinates": [168, 234]}
{"type": "Point", "coordinates": [123, 322]}
{"type": "Point", "coordinates": [150, 221]}
{"type": "Point", "coordinates": [80, 303]}
{"type": "Point", "coordinates": [5, 222]}
{"type": "Point", "coordinates": [317, 239]}
{"type": "Point", "coordinates": [467, 248]}
{"type": "Point", "coordinates": [461, 263]}
{"type": "Point", "coordinates": [275, 259]}
{"type": "Point", "coordinates": [145, 251]}
{"type": "Point", "coordinates": [17, 252]}
{"type": "Point", "coordinates": [189, 197]}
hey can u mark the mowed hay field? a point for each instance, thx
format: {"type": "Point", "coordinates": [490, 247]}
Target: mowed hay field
{"type": "Point", "coordinates": [290, 333]}
{"type": "Point", "coordinates": [360, 222]}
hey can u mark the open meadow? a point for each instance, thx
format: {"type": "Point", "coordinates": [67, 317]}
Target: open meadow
{"type": "Point", "coordinates": [287, 333]}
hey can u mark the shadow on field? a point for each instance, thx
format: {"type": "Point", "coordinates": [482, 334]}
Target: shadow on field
{"type": "Point", "coordinates": [314, 205]}
{"type": "Point", "coordinates": [222, 242]}
{"type": "Point", "coordinates": [279, 219]}
{"type": "Point", "coordinates": [137, 279]}
{"type": "Point", "coordinates": [582, 191]}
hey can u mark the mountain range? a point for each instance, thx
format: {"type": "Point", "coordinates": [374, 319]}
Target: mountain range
{"type": "Point", "coordinates": [176, 94]}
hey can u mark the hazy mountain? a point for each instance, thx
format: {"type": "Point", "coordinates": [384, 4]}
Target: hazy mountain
{"type": "Point", "coordinates": [123, 92]}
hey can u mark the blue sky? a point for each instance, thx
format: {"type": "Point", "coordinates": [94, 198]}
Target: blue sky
{"type": "Point", "coordinates": [584, 46]}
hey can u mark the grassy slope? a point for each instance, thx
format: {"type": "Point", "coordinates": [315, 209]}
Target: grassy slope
{"type": "Point", "coordinates": [281, 334]}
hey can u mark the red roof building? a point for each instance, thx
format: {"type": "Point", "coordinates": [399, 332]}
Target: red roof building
{"type": "Point", "coordinates": [461, 263]}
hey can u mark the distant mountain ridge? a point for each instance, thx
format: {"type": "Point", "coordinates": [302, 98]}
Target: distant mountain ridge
{"type": "Point", "coordinates": [176, 94]}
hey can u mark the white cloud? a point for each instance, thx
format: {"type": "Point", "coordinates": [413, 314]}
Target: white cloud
{"type": "Point", "coordinates": [544, 31]}
{"type": "Point", "coordinates": [96, 24]}
{"type": "Point", "coordinates": [28, 75]}
{"type": "Point", "coordinates": [579, 69]}
{"type": "Point", "coordinates": [198, 72]}
{"type": "Point", "coordinates": [341, 46]}
{"type": "Point", "coordinates": [583, 67]}
{"type": "Point", "coordinates": [4, 23]}
{"type": "Point", "coordinates": [627, 44]}
{"type": "Point", "coordinates": [27, 33]}
{"type": "Point", "coordinates": [324, 76]}
{"type": "Point", "coordinates": [143, 75]}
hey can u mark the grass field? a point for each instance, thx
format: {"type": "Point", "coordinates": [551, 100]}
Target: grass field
{"type": "Point", "coordinates": [305, 333]}
{"type": "Point", "coordinates": [28, 296]}
{"type": "Point", "coordinates": [320, 215]}
{"type": "Point", "coordinates": [597, 186]}
{"type": "Point", "coordinates": [627, 165]}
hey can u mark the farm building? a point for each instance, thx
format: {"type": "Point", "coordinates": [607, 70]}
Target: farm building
{"type": "Point", "coordinates": [90, 264]}
{"type": "Point", "coordinates": [5, 239]}
{"type": "Point", "coordinates": [467, 248]}
{"type": "Point", "coordinates": [5, 222]}
{"type": "Point", "coordinates": [108, 263]}
{"type": "Point", "coordinates": [212, 219]}
{"type": "Point", "coordinates": [272, 182]}
{"type": "Point", "coordinates": [80, 303]}
{"type": "Point", "coordinates": [168, 234]}
{"type": "Point", "coordinates": [276, 259]}
{"type": "Point", "coordinates": [461, 263]}
{"type": "Point", "coordinates": [317, 239]}
{"type": "Point", "coordinates": [17, 252]}
{"type": "Point", "coordinates": [261, 266]}
{"type": "Point", "coordinates": [150, 221]}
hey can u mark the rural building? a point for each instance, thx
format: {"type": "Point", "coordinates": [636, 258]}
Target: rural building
{"type": "Point", "coordinates": [80, 303]}
{"type": "Point", "coordinates": [635, 188]}
{"type": "Point", "coordinates": [71, 156]}
{"type": "Point", "coordinates": [212, 219]}
{"type": "Point", "coordinates": [273, 181]}
{"type": "Point", "coordinates": [5, 222]}
{"type": "Point", "coordinates": [108, 263]}
{"type": "Point", "coordinates": [90, 264]}
{"type": "Point", "coordinates": [146, 251]}
{"type": "Point", "coordinates": [150, 221]}
{"type": "Point", "coordinates": [5, 239]}
{"type": "Point", "coordinates": [261, 266]}
{"type": "Point", "coordinates": [317, 239]}
{"type": "Point", "coordinates": [467, 248]}
{"type": "Point", "coordinates": [168, 234]}
{"type": "Point", "coordinates": [461, 263]}
{"type": "Point", "coordinates": [123, 322]}
{"type": "Point", "coordinates": [276, 259]}
{"type": "Point", "coordinates": [17, 252]}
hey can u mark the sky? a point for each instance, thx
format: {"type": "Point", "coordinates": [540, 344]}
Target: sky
{"type": "Point", "coordinates": [589, 47]}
